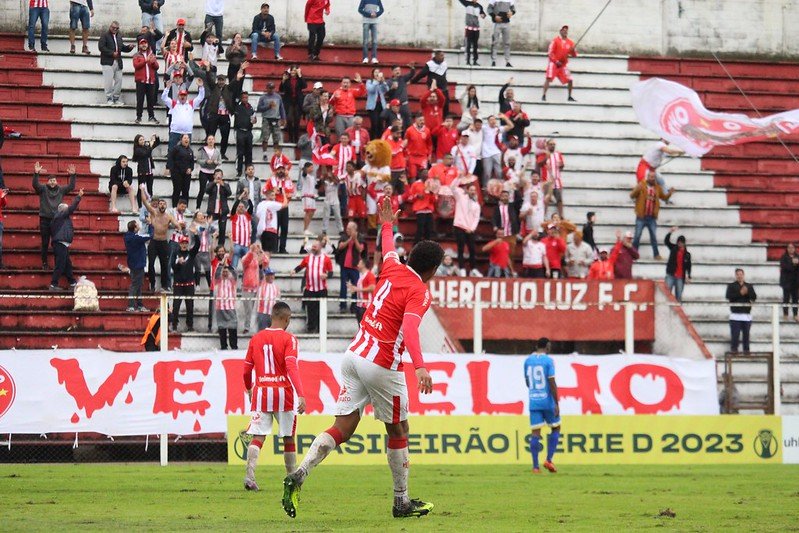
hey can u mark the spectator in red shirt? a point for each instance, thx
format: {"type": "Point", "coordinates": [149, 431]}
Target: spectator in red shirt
{"type": "Point", "coordinates": [318, 268]}
{"type": "Point", "coordinates": [398, 146]}
{"type": "Point", "coordinates": [499, 263]}
{"type": "Point", "coordinates": [623, 255]}
{"type": "Point", "coordinates": [423, 203]}
{"type": "Point", "coordinates": [315, 11]}
{"type": "Point", "coordinates": [445, 171]}
{"type": "Point", "coordinates": [351, 249]}
{"type": "Point", "coordinates": [419, 147]}
{"type": "Point", "coordinates": [446, 136]}
{"type": "Point", "coordinates": [145, 72]}
{"type": "Point", "coordinates": [560, 49]}
{"type": "Point", "coordinates": [556, 249]}
{"type": "Point", "coordinates": [343, 102]}
{"type": "Point", "coordinates": [432, 103]}
{"type": "Point", "coordinates": [359, 138]}
{"type": "Point", "coordinates": [602, 268]}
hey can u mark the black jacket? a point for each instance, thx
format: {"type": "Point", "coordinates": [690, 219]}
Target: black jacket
{"type": "Point", "coordinates": [188, 45]}
{"type": "Point", "coordinates": [61, 227]}
{"type": "Point", "coordinates": [143, 156]}
{"type": "Point", "coordinates": [119, 174]}
{"type": "Point", "coordinates": [588, 235]}
{"type": "Point", "coordinates": [184, 272]}
{"type": "Point", "coordinates": [179, 159]}
{"type": "Point", "coordinates": [401, 91]}
{"type": "Point", "coordinates": [671, 265]}
{"type": "Point", "coordinates": [49, 198]}
{"type": "Point", "coordinates": [147, 6]}
{"type": "Point", "coordinates": [496, 218]}
{"type": "Point", "coordinates": [107, 48]}
{"type": "Point", "coordinates": [151, 37]}
{"type": "Point", "coordinates": [293, 97]}
{"type": "Point", "coordinates": [734, 296]}
{"type": "Point", "coordinates": [242, 116]}
{"type": "Point", "coordinates": [789, 272]}
{"type": "Point", "coordinates": [224, 195]}
{"type": "Point", "coordinates": [260, 24]}
{"type": "Point", "coordinates": [340, 253]}
{"type": "Point", "coordinates": [213, 96]}
{"type": "Point", "coordinates": [504, 104]}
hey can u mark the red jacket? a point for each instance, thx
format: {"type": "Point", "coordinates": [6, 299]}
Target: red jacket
{"type": "Point", "coordinates": [561, 49]}
{"type": "Point", "coordinates": [359, 138]}
{"type": "Point", "coordinates": [314, 11]}
{"type": "Point", "coordinates": [420, 143]}
{"type": "Point", "coordinates": [145, 67]}
{"type": "Point", "coordinates": [556, 248]}
{"type": "Point", "coordinates": [433, 113]}
{"type": "Point", "coordinates": [343, 102]}
{"type": "Point", "coordinates": [2, 205]}
{"type": "Point", "coordinates": [397, 153]}
{"type": "Point", "coordinates": [446, 139]}
{"type": "Point", "coordinates": [421, 200]}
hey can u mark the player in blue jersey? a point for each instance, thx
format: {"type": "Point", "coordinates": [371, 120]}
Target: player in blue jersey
{"type": "Point", "coordinates": [539, 374]}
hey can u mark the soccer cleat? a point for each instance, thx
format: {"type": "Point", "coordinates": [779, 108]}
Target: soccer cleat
{"type": "Point", "coordinates": [415, 508]}
{"type": "Point", "coordinates": [536, 470]}
{"type": "Point", "coordinates": [291, 496]}
{"type": "Point", "coordinates": [250, 484]}
{"type": "Point", "coordinates": [549, 466]}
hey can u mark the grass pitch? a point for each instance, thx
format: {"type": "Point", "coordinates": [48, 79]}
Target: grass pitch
{"type": "Point", "coordinates": [467, 498]}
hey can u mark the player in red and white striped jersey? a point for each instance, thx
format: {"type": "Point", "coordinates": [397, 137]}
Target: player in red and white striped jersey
{"type": "Point", "coordinates": [344, 152]}
{"type": "Point", "coordinates": [554, 166]}
{"type": "Point", "coordinates": [272, 355]}
{"type": "Point", "coordinates": [372, 368]}
{"type": "Point", "coordinates": [267, 294]}
{"type": "Point", "coordinates": [318, 267]}
{"type": "Point", "coordinates": [364, 289]}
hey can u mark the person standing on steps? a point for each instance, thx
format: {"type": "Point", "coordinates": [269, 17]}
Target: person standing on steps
{"type": "Point", "coordinates": [789, 280]}
{"type": "Point", "coordinates": [647, 196]}
{"type": "Point", "coordinates": [180, 162]}
{"type": "Point", "coordinates": [145, 72]}
{"type": "Point", "coordinates": [208, 159]}
{"type": "Point", "coordinates": [371, 10]}
{"type": "Point", "coordinates": [501, 12]}
{"type": "Point", "coordinates": [183, 273]}
{"type": "Point", "coordinates": [136, 252]}
{"type": "Point", "coordinates": [474, 12]}
{"type": "Point", "coordinates": [181, 111]}
{"type": "Point", "coordinates": [145, 166]}
{"type": "Point", "coordinates": [273, 118]}
{"type": "Point", "coordinates": [63, 234]}
{"type": "Point", "coordinates": [243, 121]}
{"type": "Point", "coordinates": [436, 70]}
{"type": "Point", "coordinates": [80, 11]}
{"type": "Point", "coordinates": [315, 11]}
{"type": "Point", "coordinates": [38, 10]}
{"type": "Point", "coordinates": [218, 209]}
{"type": "Point", "coordinates": [159, 246]}
{"type": "Point", "coordinates": [560, 50]}
{"type": "Point", "coordinates": [50, 196]}
{"type": "Point", "coordinates": [740, 294]}
{"type": "Point", "coordinates": [678, 268]}
{"type": "Point", "coordinates": [215, 15]}
{"type": "Point", "coordinates": [111, 48]}
{"type": "Point", "coordinates": [151, 15]}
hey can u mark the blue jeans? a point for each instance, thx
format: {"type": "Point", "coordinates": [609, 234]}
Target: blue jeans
{"type": "Point", "coordinates": [174, 140]}
{"type": "Point", "coordinates": [675, 285]}
{"type": "Point", "coordinates": [257, 38]}
{"type": "Point", "coordinates": [496, 271]}
{"type": "Point", "coordinates": [146, 18]}
{"type": "Point", "coordinates": [347, 275]}
{"type": "Point", "coordinates": [367, 30]}
{"type": "Point", "coordinates": [34, 14]}
{"type": "Point", "coordinates": [79, 13]}
{"type": "Point", "coordinates": [217, 20]}
{"type": "Point", "coordinates": [239, 251]}
{"type": "Point", "coordinates": [651, 223]}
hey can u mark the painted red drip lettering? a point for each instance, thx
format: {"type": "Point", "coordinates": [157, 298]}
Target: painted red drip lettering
{"type": "Point", "coordinates": [197, 426]}
{"type": "Point", "coordinates": [315, 374]}
{"type": "Point", "coordinates": [236, 393]}
{"type": "Point", "coordinates": [586, 390]}
{"type": "Point", "coordinates": [164, 374]}
{"type": "Point", "coordinates": [620, 387]}
{"type": "Point", "coordinates": [72, 377]}
{"type": "Point", "coordinates": [129, 398]}
{"type": "Point", "coordinates": [415, 405]}
{"type": "Point", "coordinates": [478, 374]}
{"type": "Point", "coordinates": [75, 418]}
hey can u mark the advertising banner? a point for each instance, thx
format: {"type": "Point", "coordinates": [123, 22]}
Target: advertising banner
{"type": "Point", "coordinates": [187, 393]}
{"type": "Point", "coordinates": [790, 439]}
{"type": "Point", "coordinates": [562, 310]}
{"type": "Point", "coordinates": [584, 440]}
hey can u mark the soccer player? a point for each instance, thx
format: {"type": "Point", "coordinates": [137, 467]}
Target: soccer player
{"type": "Point", "coordinates": [272, 354]}
{"type": "Point", "coordinates": [539, 374]}
{"type": "Point", "coordinates": [372, 368]}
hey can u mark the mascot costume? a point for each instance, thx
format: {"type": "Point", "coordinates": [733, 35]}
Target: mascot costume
{"type": "Point", "coordinates": [377, 172]}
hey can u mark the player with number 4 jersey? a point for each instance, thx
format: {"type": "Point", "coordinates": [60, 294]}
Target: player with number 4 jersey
{"type": "Point", "coordinates": [539, 375]}
{"type": "Point", "coordinates": [372, 368]}
{"type": "Point", "coordinates": [272, 356]}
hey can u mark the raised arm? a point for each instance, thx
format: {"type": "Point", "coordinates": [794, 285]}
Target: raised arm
{"type": "Point", "coordinates": [387, 218]}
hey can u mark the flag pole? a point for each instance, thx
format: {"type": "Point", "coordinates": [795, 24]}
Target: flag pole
{"type": "Point", "coordinates": [592, 23]}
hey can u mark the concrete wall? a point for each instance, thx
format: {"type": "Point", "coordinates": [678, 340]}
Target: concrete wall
{"type": "Point", "coordinates": [750, 27]}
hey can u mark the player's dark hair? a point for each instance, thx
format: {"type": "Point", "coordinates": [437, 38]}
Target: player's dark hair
{"type": "Point", "coordinates": [542, 343]}
{"type": "Point", "coordinates": [132, 225]}
{"type": "Point", "coordinates": [425, 256]}
{"type": "Point", "coordinates": [281, 310]}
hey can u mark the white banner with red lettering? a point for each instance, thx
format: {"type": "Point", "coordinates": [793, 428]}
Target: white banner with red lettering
{"type": "Point", "coordinates": [676, 113]}
{"type": "Point", "coordinates": [186, 393]}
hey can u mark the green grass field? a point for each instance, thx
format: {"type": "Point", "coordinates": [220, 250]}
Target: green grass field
{"type": "Point", "coordinates": [467, 498]}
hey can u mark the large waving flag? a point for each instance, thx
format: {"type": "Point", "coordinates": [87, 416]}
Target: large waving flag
{"type": "Point", "coordinates": [321, 154]}
{"type": "Point", "coordinates": [676, 113]}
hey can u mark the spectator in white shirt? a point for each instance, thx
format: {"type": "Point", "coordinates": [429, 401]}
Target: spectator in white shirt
{"type": "Point", "coordinates": [579, 256]}
{"type": "Point", "coordinates": [214, 11]}
{"type": "Point", "coordinates": [182, 111]}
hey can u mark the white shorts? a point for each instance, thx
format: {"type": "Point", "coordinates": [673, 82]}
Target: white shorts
{"type": "Point", "coordinates": [364, 382]}
{"type": "Point", "coordinates": [261, 423]}
{"type": "Point", "coordinates": [308, 203]}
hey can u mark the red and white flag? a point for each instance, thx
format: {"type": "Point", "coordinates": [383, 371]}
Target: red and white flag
{"type": "Point", "coordinates": [676, 113]}
{"type": "Point", "coordinates": [321, 154]}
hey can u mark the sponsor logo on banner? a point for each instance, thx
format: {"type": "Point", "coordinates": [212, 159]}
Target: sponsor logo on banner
{"type": "Point", "coordinates": [766, 444]}
{"type": "Point", "coordinates": [790, 439]}
{"type": "Point", "coordinates": [7, 391]}
{"type": "Point", "coordinates": [506, 440]}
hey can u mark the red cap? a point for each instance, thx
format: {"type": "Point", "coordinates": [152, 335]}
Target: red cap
{"type": "Point", "coordinates": [183, 239]}
{"type": "Point", "coordinates": [181, 21]}
{"type": "Point", "coordinates": [183, 92]}
{"type": "Point", "coordinates": [394, 102]}
{"type": "Point", "coordinates": [564, 27]}
{"type": "Point", "coordinates": [143, 41]}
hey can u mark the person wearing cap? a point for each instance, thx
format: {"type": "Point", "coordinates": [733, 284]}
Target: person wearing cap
{"type": "Point", "coordinates": [560, 50]}
{"type": "Point", "coordinates": [311, 99]}
{"type": "Point", "coordinates": [268, 293]}
{"type": "Point", "coordinates": [151, 17]}
{"type": "Point", "coordinates": [253, 262]}
{"type": "Point", "coordinates": [535, 263]}
{"type": "Point", "coordinates": [315, 11]}
{"type": "Point", "coordinates": [463, 155]}
{"type": "Point", "coordinates": [181, 111]}
{"type": "Point", "coordinates": [183, 265]}
{"type": "Point", "coordinates": [182, 38]}
{"type": "Point", "coordinates": [501, 12]}
{"type": "Point", "coordinates": [273, 117]}
{"type": "Point", "coordinates": [678, 267]}
{"type": "Point", "coordinates": [623, 255]}
{"type": "Point", "coordinates": [602, 269]}
{"type": "Point", "coordinates": [647, 196]}
{"type": "Point", "coordinates": [111, 48]}
{"type": "Point", "coordinates": [292, 90]}
{"type": "Point", "coordinates": [263, 32]}
{"type": "Point", "coordinates": [145, 68]}
{"type": "Point", "coordinates": [391, 115]}
{"type": "Point", "coordinates": [80, 11]}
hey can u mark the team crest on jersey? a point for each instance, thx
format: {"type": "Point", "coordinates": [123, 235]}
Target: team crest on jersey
{"type": "Point", "coordinates": [344, 396]}
{"type": "Point", "coordinates": [7, 391]}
